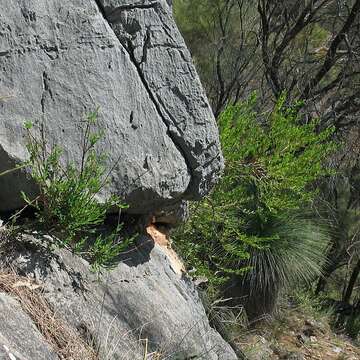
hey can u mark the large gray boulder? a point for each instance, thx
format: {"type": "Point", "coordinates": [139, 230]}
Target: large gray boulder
{"type": "Point", "coordinates": [145, 299]}
{"type": "Point", "coordinates": [61, 59]}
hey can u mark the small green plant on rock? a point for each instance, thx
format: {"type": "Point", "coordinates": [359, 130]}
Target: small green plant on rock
{"type": "Point", "coordinates": [67, 204]}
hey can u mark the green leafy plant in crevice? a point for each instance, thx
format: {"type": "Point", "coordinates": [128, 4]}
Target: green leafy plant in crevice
{"type": "Point", "coordinates": [67, 205]}
{"type": "Point", "coordinates": [252, 228]}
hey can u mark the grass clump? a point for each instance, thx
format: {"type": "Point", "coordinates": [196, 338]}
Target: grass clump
{"type": "Point", "coordinates": [67, 205]}
{"type": "Point", "coordinates": [65, 341]}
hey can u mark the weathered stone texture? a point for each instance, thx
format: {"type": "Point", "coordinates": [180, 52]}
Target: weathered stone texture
{"type": "Point", "coordinates": [144, 297]}
{"type": "Point", "coordinates": [18, 335]}
{"type": "Point", "coordinates": [59, 60]}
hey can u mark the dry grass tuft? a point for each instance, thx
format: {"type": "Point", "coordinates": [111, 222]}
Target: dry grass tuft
{"type": "Point", "coordinates": [4, 98]}
{"type": "Point", "coordinates": [65, 341]}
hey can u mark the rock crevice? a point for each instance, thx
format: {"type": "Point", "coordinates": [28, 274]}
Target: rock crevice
{"type": "Point", "coordinates": [115, 14]}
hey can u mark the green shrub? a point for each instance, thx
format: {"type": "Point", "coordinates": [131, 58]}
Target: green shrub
{"type": "Point", "coordinates": [67, 204]}
{"type": "Point", "coordinates": [295, 256]}
{"type": "Point", "coordinates": [352, 326]}
{"type": "Point", "coordinates": [250, 223]}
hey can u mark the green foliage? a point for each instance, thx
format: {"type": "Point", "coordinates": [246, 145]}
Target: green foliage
{"type": "Point", "coordinates": [352, 326]}
{"type": "Point", "coordinates": [296, 255]}
{"type": "Point", "coordinates": [247, 225]}
{"type": "Point", "coordinates": [308, 303]}
{"type": "Point", "coordinates": [221, 36]}
{"type": "Point", "coordinates": [67, 205]}
{"type": "Point", "coordinates": [196, 21]}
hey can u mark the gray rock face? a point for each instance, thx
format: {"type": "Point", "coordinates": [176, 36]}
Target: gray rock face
{"type": "Point", "coordinates": [144, 299]}
{"type": "Point", "coordinates": [59, 60]}
{"type": "Point", "coordinates": [18, 335]}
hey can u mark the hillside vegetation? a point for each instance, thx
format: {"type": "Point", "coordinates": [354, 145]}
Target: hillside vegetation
{"type": "Point", "coordinates": [283, 81]}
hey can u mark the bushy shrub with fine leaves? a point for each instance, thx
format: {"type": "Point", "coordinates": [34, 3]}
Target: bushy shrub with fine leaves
{"type": "Point", "coordinates": [67, 204]}
{"type": "Point", "coordinates": [249, 228]}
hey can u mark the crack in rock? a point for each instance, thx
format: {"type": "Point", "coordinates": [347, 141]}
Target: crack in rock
{"type": "Point", "coordinates": [173, 136]}
{"type": "Point", "coordinates": [46, 89]}
{"type": "Point", "coordinates": [172, 84]}
{"type": "Point", "coordinates": [114, 14]}
{"type": "Point", "coordinates": [128, 46]}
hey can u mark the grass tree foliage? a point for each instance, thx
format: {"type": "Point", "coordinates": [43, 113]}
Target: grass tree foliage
{"type": "Point", "coordinates": [67, 205]}
{"type": "Point", "coordinates": [252, 229]}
